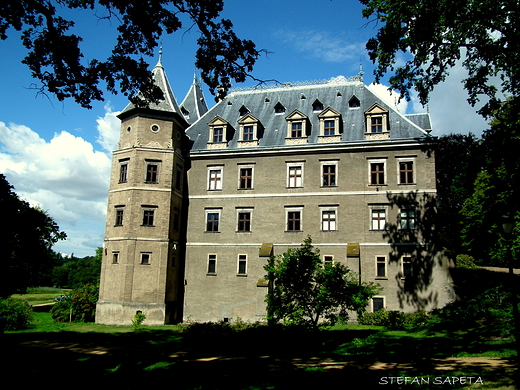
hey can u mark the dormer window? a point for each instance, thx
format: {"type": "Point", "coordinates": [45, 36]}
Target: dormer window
{"type": "Point", "coordinates": [297, 124]}
{"type": "Point", "coordinates": [250, 131]}
{"type": "Point", "coordinates": [354, 102]}
{"type": "Point", "coordinates": [317, 105]}
{"type": "Point", "coordinates": [279, 108]}
{"type": "Point", "coordinates": [185, 112]}
{"type": "Point", "coordinates": [377, 124]}
{"type": "Point", "coordinates": [243, 111]}
{"type": "Point", "coordinates": [218, 133]}
{"type": "Point", "coordinates": [329, 126]}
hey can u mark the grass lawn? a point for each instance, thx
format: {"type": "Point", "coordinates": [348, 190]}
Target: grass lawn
{"type": "Point", "coordinates": [210, 357]}
{"type": "Point", "coordinates": [41, 295]}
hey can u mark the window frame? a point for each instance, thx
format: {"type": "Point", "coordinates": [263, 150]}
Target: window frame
{"type": "Point", "coordinates": [292, 220]}
{"type": "Point", "coordinates": [149, 215]}
{"type": "Point", "coordinates": [215, 180]}
{"type": "Point", "coordinates": [407, 218]}
{"type": "Point", "coordinates": [409, 174]}
{"type": "Point", "coordinates": [115, 257]}
{"type": "Point", "coordinates": [294, 179]}
{"type": "Point", "coordinates": [381, 260]}
{"type": "Point", "coordinates": [243, 180]}
{"type": "Point", "coordinates": [145, 258]}
{"type": "Point", "coordinates": [123, 170]}
{"type": "Point", "coordinates": [211, 265]}
{"type": "Point", "coordinates": [406, 266]}
{"type": "Point", "coordinates": [242, 265]}
{"type": "Point", "coordinates": [213, 223]}
{"type": "Point", "coordinates": [326, 183]}
{"type": "Point", "coordinates": [120, 215]}
{"type": "Point", "coordinates": [374, 209]}
{"type": "Point", "coordinates": [383, 300]}
{"type": "Point", "coordinates": [332, 223]}
{"type": "Point", "coordinates": [150, 174]}
{"type": "Point", "coordinates": [246, 228]}
{"type": "Point", "coordinates": [379, 174]}
{"type": "Point", "coordinates": [328, 259]}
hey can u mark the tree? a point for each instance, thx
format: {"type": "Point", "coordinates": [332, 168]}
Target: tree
{"type": "Point", "coordinates": [304, 289]}
{"type": "Point", "coordinates": [434, 34]}
{"type": "Point", "coordinates": [56, 59]}
{"type": "Point", "coordinates": [27, 240]}
{"type": "Point", "coordinates": [75, 272]}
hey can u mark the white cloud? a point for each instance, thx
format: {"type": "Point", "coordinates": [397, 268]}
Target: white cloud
{"type": "Point", "coordinates": [108, 128]}
{"type": "Point", "coordinates": [324, 45]}
{"type": "Point", "coordinates": [389, 97]}
{"type": "Point", "coordinates": [65, 175]}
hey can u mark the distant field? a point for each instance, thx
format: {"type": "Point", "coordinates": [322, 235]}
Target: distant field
{"type": "Point", "coordinates": [41, 295]}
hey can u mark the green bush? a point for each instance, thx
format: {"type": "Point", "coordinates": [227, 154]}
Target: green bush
{"type": "Point", "coordinates": [465, 261]}
{"type": "Point", "coordinates": [80, 306]}
{"type": "Point", "coordinates": [395, 319]}
{"type": "Point", "coordinates": [17, 313]}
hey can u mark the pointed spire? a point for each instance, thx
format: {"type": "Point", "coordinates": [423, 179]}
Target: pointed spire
{"type": "Point", "coordinates": [194, 104]}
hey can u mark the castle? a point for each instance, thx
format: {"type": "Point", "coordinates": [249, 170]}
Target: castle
{"type": "Point", "coordinates": [200, 198]}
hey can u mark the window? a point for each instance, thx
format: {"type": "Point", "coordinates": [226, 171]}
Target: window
{"type": "Point", "coordinates": [218, 134]}
{"type": "Point", "coordinates": [148, 217]}
{"type": "Point", "coordinates": [378, 217]}
{"type": "Point", "coordinates": [328, 175]}
{"type": "Point", "coordinates": [119, 215]}
{"type": "Point", "coordinates": [407, 218]}
{"type": "Point", "coordinates": [212, 220]}
{"type": "Point", "coordinates": [406, 172]}
{"type": "Point", "coordinates": [354, 102]}
{"type": "Point", "coordinates": [279, 108]}
{"type": "Point", "coordinates": [376, 124]}
{"type": "Point", "coordinates": [246, 178]}
{"type": "Point", "coordinates": [378, 303]}
{"type": "Point", "coordinates": [145, 258]}
{"type": "Point", "coordinates": [377, 173]}
{"type": "Point", "coordinates": [296, 130]}
{"type": "Point", "coordinates": [381, 266]}
{"type": "Point", "coordinates": [115, 257]}
{"type": "Point", "coordinates": [178, 178]}
{"type": "Point", "coordinates": [212, 264]}
{"type": "Point", "coordinates": [123, 171]}
{"type": "Point", "coordinates": [317, 105]}
{"type": "Point", "coordinates": [407, 266]}
{"type": "Point", "coordinates": [328, 260]}
{"type": "Point", "coordinates": [244, 221]}
{"type": "Point", "coordinates": [242, 264]}
{"type": "Point", "coordinates": [329, 127]}
{"type": "Point", "coordinates": [294, 220]}
{"type": "Point", "coordinates": [328, 220]}
{"type": "Point", "coordinates": [248, 134]}
{"type": "Point", "coordinates": [214, 178]}
{"type": "Point", "coordinates": [243, 111]}
{"type": "Point", "coordinates": [152, 170]}
{"type": "Point", "coordinates": [294, 175]}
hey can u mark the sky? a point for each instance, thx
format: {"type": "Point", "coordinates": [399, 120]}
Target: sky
{"type": "Point", "coordinates": [57, 155]}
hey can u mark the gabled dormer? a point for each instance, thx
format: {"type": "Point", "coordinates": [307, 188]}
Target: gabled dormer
{"type": "Point", "coordinates": [377, 125]}
{"type": "Point", "coordinates": [297, 128]}
{"type": "Point", "coordinates": [330, 121]}
{"type": "Point", "coordinates": [219, 133]}
{"type": "Point", "coordinates": [250, 130]}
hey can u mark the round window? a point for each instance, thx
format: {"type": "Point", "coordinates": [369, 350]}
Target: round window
{"type": "Point", "coordinates": [128, 129]}
{"type": "Point", "coordinates": [155, 128]}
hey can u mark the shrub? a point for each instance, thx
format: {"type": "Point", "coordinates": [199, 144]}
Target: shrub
{"type": "Point", "coordinates": [17, 313]}
{"type": "Point", "coordinates": [395, 319]}
{"type": "Point", "coordinates": [80, 306]}
{"type": "Point", "coordinates": [465, 261]}
{"type": "Point", "coordinates": [138, 320]}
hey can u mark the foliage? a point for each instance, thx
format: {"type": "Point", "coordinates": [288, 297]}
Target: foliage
{"type": "Point", "coordinates": [25, 253]}
{"type": "Point", "coordinates": [304, 289]}
{"type": "Point", "coordinates": [434, 35]}
{"type": "Point", "coordinates": [75, 272]}
{"type": "Point", "coordinates": [465, 261]}
{"type": "Point", "coordinates": [18, 314]}
{"type": "Point", "coordinates": [138, 320]}
{"type": "Point", "coordinates": [395, 319]}
{"type": "Point", "coordinates": [56, 59]}
{"type": "Point", "coordinates": [79, 306]}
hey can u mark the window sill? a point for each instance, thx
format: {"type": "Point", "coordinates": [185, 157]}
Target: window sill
{"type": "Point", "coordinates": [148, 226]}
{"type": "Point", "coordinates": [245, 189]}
{"type": "Point", "coordinates": [243, 231]}
{"type": "Point", "coordinates": [209, 231]}
{"type": "Point", "coordinates": [242, 275]}
{"type": "Point", "coordinates": [329, 231]}
{"type": "Point", "coordinates": [334, 186]}
{"type": "Point", "coordinates": [211, 274]}
{"type": "Point", "coordinates": [381, 278]}
{"type": "Point", "coordinates": [293, 231]}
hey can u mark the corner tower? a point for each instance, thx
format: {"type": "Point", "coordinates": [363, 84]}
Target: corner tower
{"type": "Point", "coordinates": [143, 253]}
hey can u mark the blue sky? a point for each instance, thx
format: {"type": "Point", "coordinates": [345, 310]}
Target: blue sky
{"type": "Point", "coordinates": [57, 154]}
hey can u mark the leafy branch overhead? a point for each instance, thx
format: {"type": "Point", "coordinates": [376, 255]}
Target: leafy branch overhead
{"type": "Point", "coordinates": [438, 33]}
{"type": "Point", "coordinates": [56, 59]}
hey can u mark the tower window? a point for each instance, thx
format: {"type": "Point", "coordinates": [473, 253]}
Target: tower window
{"type": "Point", "coordinates": [152, 173]}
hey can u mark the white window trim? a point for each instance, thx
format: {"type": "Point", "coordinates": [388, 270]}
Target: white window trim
{"type": "Point", "coordinates": [386, 267]}
{"type": "Point", "coordinates": [331, 256]}
{"type": "Point", "coordinates": [330, 162]}
{"type": "Point", "coordinates": [218, 183]}
{"type": "Point", "coordinates": [289, 209]}
{"type": "Point", "coordinates": [414, 170]}
{"type": "Point", "coordinates": [245, 166]}
{"type": "Point", "coordinates": [329, 208]}
{"type": "Point", "coordinates": [385, 170]}
{"type": "Point", "coordinates": [207, 264]}
{"type": "Point", "coordinates": [245, 210]}
{"type": "Point", "coordinates": [403, 276]}
{"type": "Point", "coordinates": [372, 302]}
{"type": "Point", "coordinates": [404, 209]}
{"type": "Point", "coordinates": [238, 265]}
{"type": "Point", "coordinates": [212, 211]}
{"type": "Point", "coordinates": [295, 165]}
{"type": "Point", "coordinates": [371, 208]}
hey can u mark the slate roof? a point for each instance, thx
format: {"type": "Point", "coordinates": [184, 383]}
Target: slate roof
{"type": "Point", "coordinates": [335, 93]}
{"type": "Point", "coordinates": [168, 105]}
{"type": "Point", "coordinates": [194, 104]}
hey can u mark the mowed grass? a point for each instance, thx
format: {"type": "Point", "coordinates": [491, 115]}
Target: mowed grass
{"type": "Point", "coordinates": [216, 357]}
{"type": "Point", "coordinates": [41, 295]}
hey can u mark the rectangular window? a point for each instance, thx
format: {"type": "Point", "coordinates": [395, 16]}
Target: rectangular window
{"type": "Point", "coordinates": [376, 124]}
{"type": "Point", "coordinates": [248, 133]}
{"type": "Point", "coordinates": [296, 130]}
{"type": "Point", "coordinates": [178, 179]}
{"type": "Point", "coordinates": [148, 217]}
{"type": "Point", "coordinates": [246, 178]}
{"type": "Point", "coordinates": [328, 260]}
{"type": "Point", "coordinates": [328, 220]}
{"type": "Point", "coordinates": [378, 303]}
{"type": "Point", "coordinates": [218, 134]}
{"type": "Point", "coordinates": [381, 266]}
{"type": "Point", "coordinates": [244, 221]}
{"type": "Point", "coordinates": [152, 170]}
{"type": "Point", "coordinates": [212, 264]}
{"type": "Point", "coordinates": [212, 221]}
{"type": "Point", "coordinates": [294, 176]}
{"type": "Point", "coordinates": [406, 172]}
{"type": "Point", "coordinates": [407, 219]}
{"type": "Point", "coordinates": [242, 264]}
{"type": "Point", "coordinates": [123, 173]}
{"type": "Point", "coordinates": [119, 216]}
{"type": "Point", "coordinates": [329, 175]}
{"type": "Point", "coordinates": [115, 257]}
{"type": "Point", "coordinates": [377, 173]}
{"type": "Point", "coordinates": [407, 266]}
{"type": "Point", "coordinates": [328, 127]}
{"type": "Point", "coordinates": [378, 219]}
{"type": "Point", "coordinates": [215, 179]}
{"type": "Point", "coordinates": [293, 221]}
{"type": "Point", "coordinates": [145, 258]}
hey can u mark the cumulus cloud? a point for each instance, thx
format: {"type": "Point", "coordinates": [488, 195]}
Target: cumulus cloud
{"type": "Point", "coordinates": [323, 45]}
{"type": "Point", "coordinates": [108, 129]}
{"type": "Point", "coordinates": [65, 176]}
{"type": "Point", "coordinates": [390, 97]}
